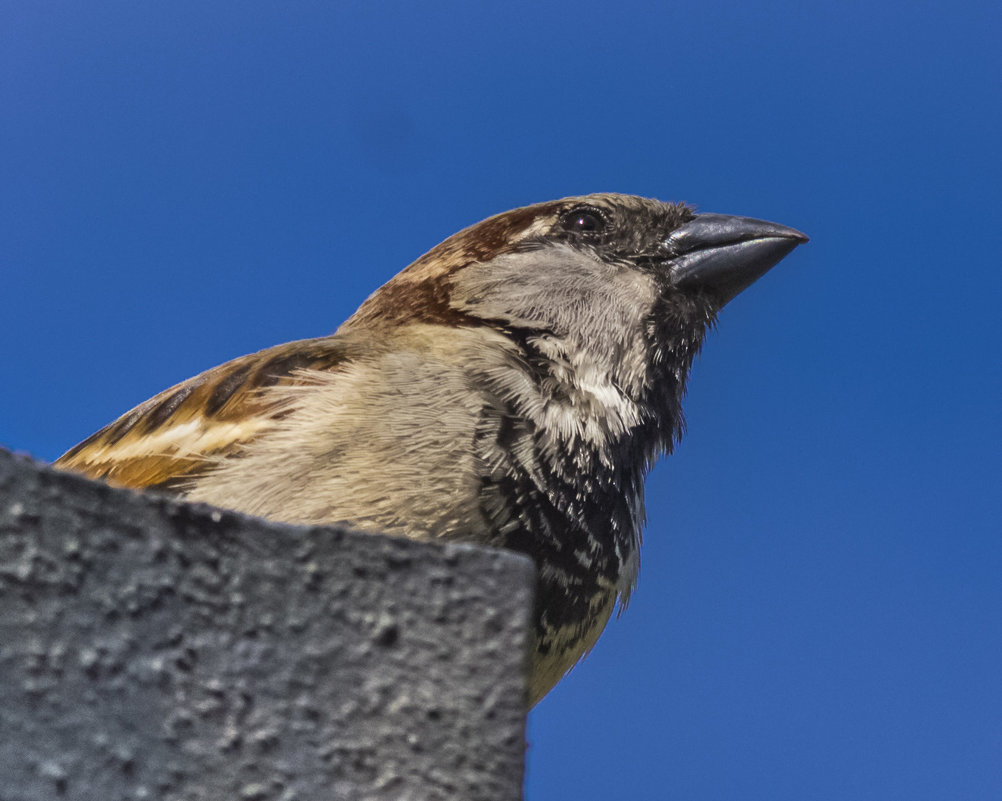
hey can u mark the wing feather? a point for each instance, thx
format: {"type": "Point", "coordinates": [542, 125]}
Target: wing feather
{"type": "Point", "coordinates": [186, 430]}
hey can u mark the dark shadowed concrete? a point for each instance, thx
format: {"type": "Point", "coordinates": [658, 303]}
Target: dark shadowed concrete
{"type": "Point", "coordinates": [156, 650]}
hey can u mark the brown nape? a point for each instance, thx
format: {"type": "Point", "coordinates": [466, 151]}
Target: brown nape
{"type": "Point", "coordinates": [420, 293]}
{"type": "Point", "coordinates": [402, 302]}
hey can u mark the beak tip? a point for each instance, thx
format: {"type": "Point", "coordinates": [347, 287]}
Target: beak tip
{"type": "Point", "coordinates": [724, 255]}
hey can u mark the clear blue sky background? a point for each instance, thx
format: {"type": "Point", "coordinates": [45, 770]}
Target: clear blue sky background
{"type": "Point", "coordinates": [820, 607]}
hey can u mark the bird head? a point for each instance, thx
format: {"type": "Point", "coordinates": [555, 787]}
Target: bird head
{"type": "Point", "coordinates": [624, 284]}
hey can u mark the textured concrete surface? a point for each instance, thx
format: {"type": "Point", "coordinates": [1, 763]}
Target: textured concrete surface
{"type": "Point", "coordinates": [155, 650]}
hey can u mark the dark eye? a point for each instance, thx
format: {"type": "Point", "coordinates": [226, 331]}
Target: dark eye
{"type": "Point", "coordinates": [583, 221]}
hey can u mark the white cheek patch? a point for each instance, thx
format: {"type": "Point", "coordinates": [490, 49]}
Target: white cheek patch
{"type": "Point", "coordinates": [558, 287]}
{"type": "Point", "coordinates": [590, 405]}
{"type": "Point", "coordinates": [594, 411]}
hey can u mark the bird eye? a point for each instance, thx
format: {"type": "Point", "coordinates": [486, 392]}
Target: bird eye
{"type": "Point", "coordinates": [583, 221]}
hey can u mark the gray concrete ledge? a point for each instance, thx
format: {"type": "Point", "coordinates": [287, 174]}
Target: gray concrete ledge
{"type": "Point", "coordinates": [157, 650]}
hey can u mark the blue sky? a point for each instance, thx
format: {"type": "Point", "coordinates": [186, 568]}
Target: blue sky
{"type": "Point", "coordinates": [820, 606]}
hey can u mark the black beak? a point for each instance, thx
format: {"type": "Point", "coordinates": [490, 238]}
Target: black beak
{"type": "Point", "coordinates": [722, 255]}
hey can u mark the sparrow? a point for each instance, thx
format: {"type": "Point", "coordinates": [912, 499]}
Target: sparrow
{"type": "Point", "coordinates": [510, 388]}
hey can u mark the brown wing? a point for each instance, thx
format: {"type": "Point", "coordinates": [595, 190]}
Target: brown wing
{"type": "Point", "coordinates": [170, 439]}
